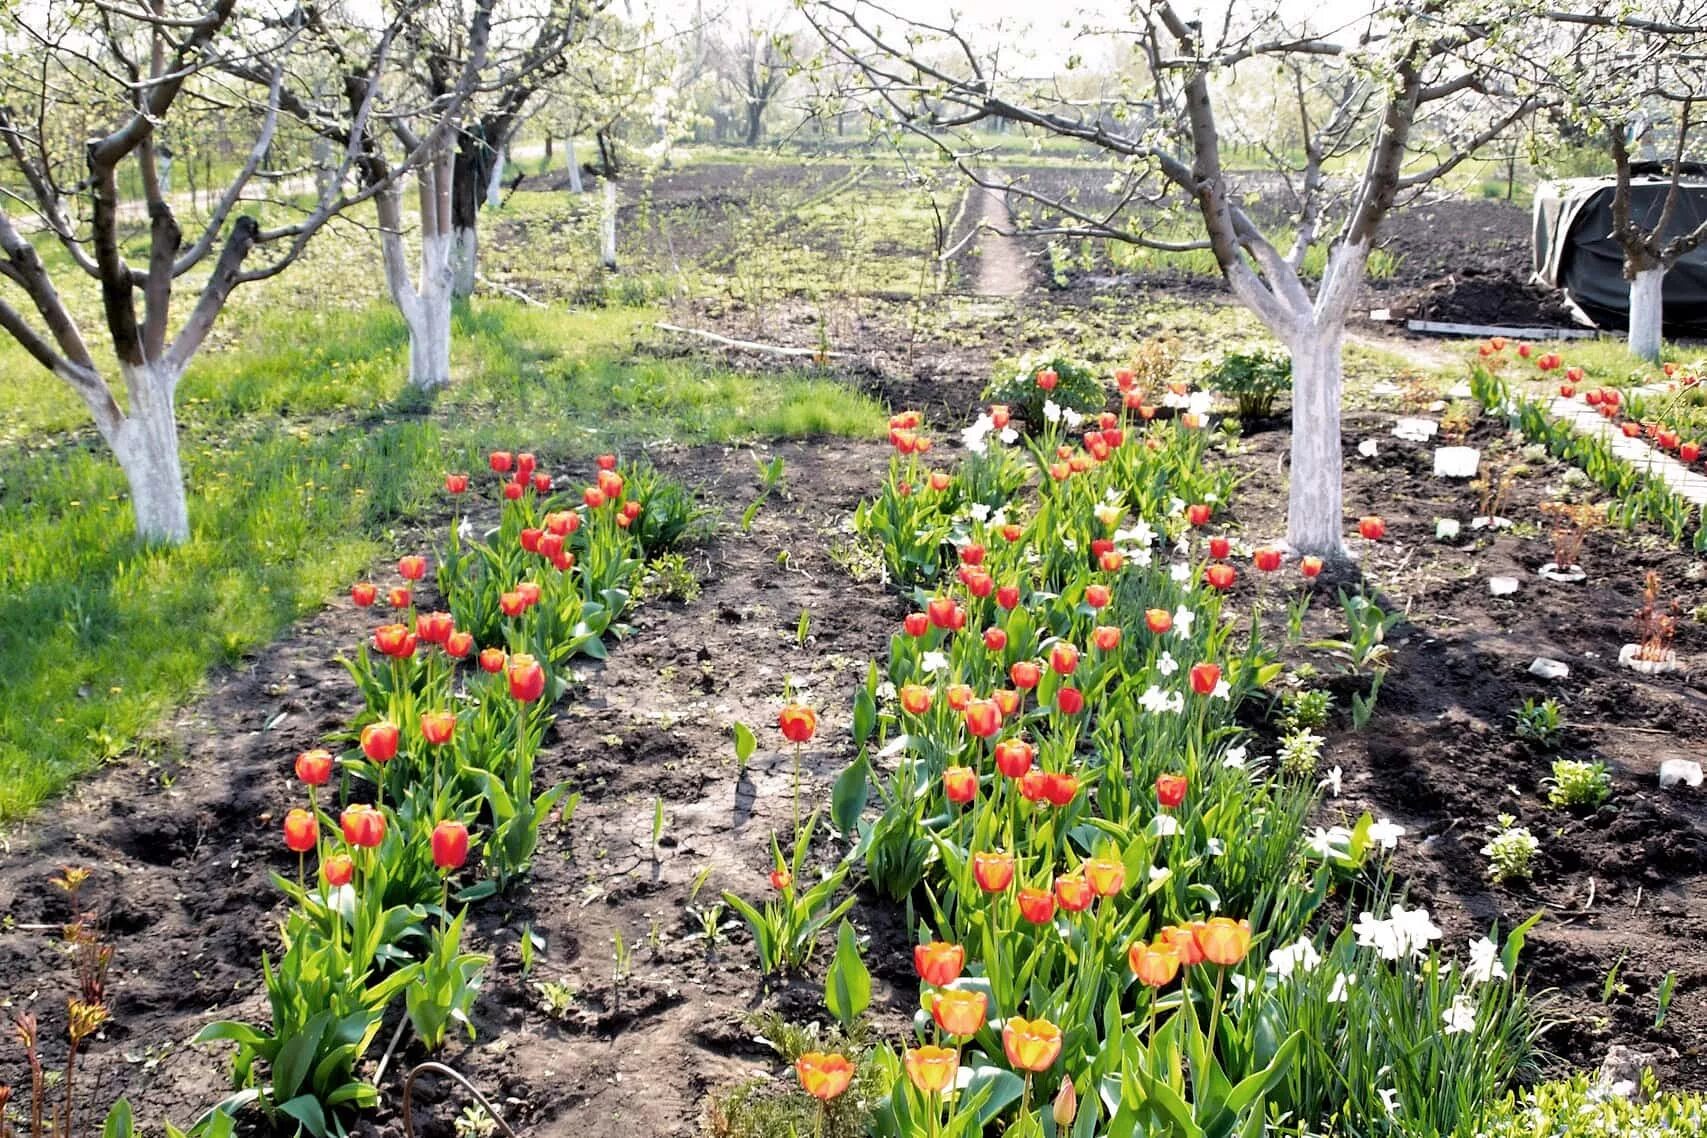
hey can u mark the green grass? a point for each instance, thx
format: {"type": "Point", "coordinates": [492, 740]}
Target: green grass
{"type": "Point", "coordinates": [303, 453]}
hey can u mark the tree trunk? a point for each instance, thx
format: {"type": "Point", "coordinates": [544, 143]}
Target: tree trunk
{"type": "Point", "coordinates": [429, 327]}
{"type": "Point", "coordinates": [146, 444]}
{"type": "Point", "coordinates": [755, 123]}
{"type": "Point", "coordinates": [1315, 503]}
{"type": "Point", "coordinates": [495, 184]}
{"type": "Point", "coordinates": [464, 259]}
{"type": "Point", "coordinates": [607, 227]}
{"type": "Point", "coordinates": [549, 144]}
{"type": "Point", "coordinates": [574, 165]}
{"type": "Point", "coordinates": [1646, 327]}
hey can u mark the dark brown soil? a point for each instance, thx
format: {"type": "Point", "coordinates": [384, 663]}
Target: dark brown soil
{"type": "Point", "coordinates": [181, 851]}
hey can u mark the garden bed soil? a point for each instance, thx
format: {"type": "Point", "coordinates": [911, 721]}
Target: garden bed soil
{"type": "Point", "coordinates": [181, 848]}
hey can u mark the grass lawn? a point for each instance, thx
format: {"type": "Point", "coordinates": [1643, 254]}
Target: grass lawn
{"type": "Point", "coordinates": [302, 450]}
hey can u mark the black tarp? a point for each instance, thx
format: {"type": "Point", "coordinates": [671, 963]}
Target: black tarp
{"type": "Point", "coordinates": [1574, 249]}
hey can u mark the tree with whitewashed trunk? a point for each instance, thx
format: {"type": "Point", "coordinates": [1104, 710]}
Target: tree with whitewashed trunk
{"type": "Point", "coordinates": [139, 70]}
{"type": "Point", "coordinates": [1381, 107]}
{"type": "Point", "coordinates": [1637, 81]}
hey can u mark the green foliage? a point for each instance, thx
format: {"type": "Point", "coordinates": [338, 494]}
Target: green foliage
{"type": "Point", "coordinates": [668, 577]}
{"type": "Point", "coordinates": [1077, 388]}
{"type": "Point", "coordinates": [444, 987]}
{"type": "Point", "coordinates": [1253, 380]}
{"type": "Point", "coordinates": [1538, 723]}
{"type": "Point", "coordinates": [1511, 851]}
{"type": "Point", "coordinates": [1306, 708]}
{"type": "Point", "coordinates": [785, 931]}
{"type": "Point", "coordinates": [1578, 1109]}
{"type": "Point", "coordinates": [1579, 785]}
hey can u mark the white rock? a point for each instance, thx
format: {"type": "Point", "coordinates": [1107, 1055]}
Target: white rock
{"type": "Point", "coordinates": [1367, 448]}
{"type": "Point", "coordinates": [1549, 669]}
{"type": "Point", "coordinates": [1502, 586]}
{"type": "Point", "coordinates": [1415, 430]}
{"type": "Point", "coordinates": [1456, 462]}
{"type": "Point", "coordinates": [1384, 387]}
{"type": "Point", "coordinates": [1437, 405]}
{"type": "Point", "coordinates": [1685, 771]}
{"type": "Point", "coordinates": [1445, 529]}
{"type": "Point", "coordinates": [1458, 391]}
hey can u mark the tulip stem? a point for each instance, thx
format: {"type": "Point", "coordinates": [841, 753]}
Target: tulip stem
{"type": "Point", "coordinates": [797, 792]}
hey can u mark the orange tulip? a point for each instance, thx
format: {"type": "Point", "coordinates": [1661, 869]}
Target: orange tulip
{"type": "Point", "coordinates": [492, 660]}
{"type": "Point", "coordinates": [449, 844]}
{"type": "Point", "coordinates": [1221, 576]}
{"type": "Point", "coordinates": [1371, 527]}
{"type": "Point", "coordinates": [824, 1075]}
{"type": "Point", "coordinates": [1205, 677]}
{"type": "Point", "coordinates": [1074, 893]}
{"type": "Point", "coordinates": [379, 741]}
{"type": "Point", "coordinates": [527, 678]}
{"type": "Point", "coordinates": [1198, 515]}
{"type": "Point", "coordinates": [983, 718]}
{"type": "Point", "coordinates": [1266, 560]}
{"type": "Point", "coordinates": [1036, 905]}
{"type": "Point", "coordinates": [1025, 674]}
{"type": "Point", "coordinates": [1158, 620]}
{"type": "Point", "coordinates": [314, 767]}
{"type": "Point", "coordinates": [1106, 875]}
{"type": "Point", "coordinates": [960, 785]}
{"type": "Point", "coordinates": [1106, 637]}
{"type": "Point", "coordinates": [437, 727]}
{"type": "Point", "coordinates": [930, 1068]}
{"type": "Point", "coordinates": [938, 963]}
{"type": "Point", "coordinates": [958, 696]}
{"type": "Point", "coordinates": [1098, 596]}
{"type": "Point", "coordinates": [363, 826]}
{"type": "Point", "coordinates": [1183, 940]}
{"type": "Point", "coordinates": [412, 568]}
{"type": "Point", "coordinates": [959, 1012]}
{"type": "Point", "coordinates": [362, 594]}
{"type": "Point", "coordinates": [1013, 757]}
{"type": "Point", "coordinates": [1154, 964]}
{"type": "Point", "coordinates": [993, 870]}
{"type": "Point", "coordinates": [1310, 566]}
{"type": "Point", "coordinates": [781, 879]}
{"type": "Point", "coordinates": [1223, 940]}
{"type": "Point", "coordinates": [1032, 1045]}
{"type": "Point", "coordinates": [915, 699]}
{"type": "Point", "coordinates": [338, 869]}
{"type": "Point", "coordinates": [1064, 659]}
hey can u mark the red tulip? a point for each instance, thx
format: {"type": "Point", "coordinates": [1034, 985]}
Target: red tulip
{"type": "Point", "coordinates": [542, 483]}
{"type": "Point", "coordinates": [1310, 566]}
{"type": "Point", "coordinates": [363, 594]}
{"type": "Point", "coordinates": [995, 639]}
{"type": "Point", "coordinates": [1007, 596]}
{"type": "Point", "coordinates": [525, 464]}
{"type": "Point", "coordinates": [450, 844]}
{"type": "Point", "coordinates": [916, 624]}
{"type": "Point", "coordinates": [1013, 757]}
{"type": "Point", "coordinates": [492, 660]}
{"type": "Point", "coordinates": [1097, 596]}
{"type": "Point", "coordinates": [394, 640]}
{"type": "Point", "coordinates": [972, 554]}
{"type": "Point", "coordinates": [915, 699]}
{"type": "Point", "coordinates": [1025, 674]}
{"type": "Point", "coordinates": [1595, 398]}
{"type": "Point", "coordinates": [1047, 379]}
{"type": "Point", "coordinates": [1205, 677]}
{"type": "Point", "coordinates": [1036, 905]}
{"type": "Point", "coordinates": [1170, 788]}
{"type": "Point", "coordinates": [314, 767]}
{"type": "Point", "coordinates": [529, 539]}
{"type": "Point", "coordinates": [1689, 452]}
{"type": "Point", "coordinates": [979, 583]}
{"type": "Point", "coordinates": [1198, 514]}
{"type": "Point", "coordinates": [1070, 701]}
{"type": "Point", "coordinates": [1524, 350]}
{"type": "Point", "coordinates": [338, 869]}
{"type": "Point", "coordinates": [434, 627]}
{"type": "Point", "coordinates": [456, 483]}
{"type": "Point", "coordinates": [501, 461]}
{"type": "Point", "coordinates": [513, 491]}
{"type": "Point", "coordinates": [1000, 415]}
{"type": "Point", "coordinates": [412, 567]}
{"type": "Point", "coordinates": [781, 879]}
{"type": "Point", "coordinates": [1158, 621]}
{"type": "Point", "coordinates": [1221, 576]}
{"type": "Point", "coordinates": [593, 497]}
{"type": "Point", "coordinates": [1064, 659]}
{"type": "Point", "coordinates": [1111, 561]}
{"type": "Point", "coordinates": [1060, 788]}
{"type": "Point", "coordinates": [1266, 560]}
{"type": "Point", "coordinates": [958, 696]}
{"type": "Point", "coordinates": [363, 826]}
{"type": "Point", "coordinates": [1106, 637]}
{"type": "Point", "coordinates": [512, 603]}
{"type": "Point", "coordinates": [1073, 894]}
{"type": "Point", "coordinates": [379, 741]}
{"type": "Point", "coordinates": [1007, 701]}
{"type": "Point", "coordinates": [1219, 548]}
{"type": "Point", "coordinates": [610, 484]}
{"type": "Point", "coordinates": [605, 462]}
{"type": "Point", "coordinates": [301, 831]}
{"type": "Point", "coordinates": [797, 722]}
{"type": "Point", "coordinates": [459, 644]}
{"type": "Point", "coordinates": [983, 718]}
{"type": "Point", "coordinates": [941, 611]}
{"type": "Point", "coordinates": [960, 785]}
{"type": "Point", "coordinates": [399, 597]}
{"type": "Point", "coordinates": [527, 678]}
{"type": "Point", "coordinates": [1012, 532]}
{"type": "Point", "coordinates": [1371, 527]}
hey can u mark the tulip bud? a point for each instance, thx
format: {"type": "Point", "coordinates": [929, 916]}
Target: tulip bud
{"type": "Point", "coordinates": [449, 845]}
{"type": "Point", "coordinates": [1066, 1106]}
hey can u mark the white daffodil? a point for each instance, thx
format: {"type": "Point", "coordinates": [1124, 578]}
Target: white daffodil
{"type": "Point", "coordinates": [1176, 506]}
{"type": "Point", "coordinates": [1154, 700]}
{"type": "Point", "coordinates": [1222, 690]}
{"type": "Point", "coordinates": [980, 511]}
{"type": "Point", "coordinates": [1485, 964]}
{"type": "Point", "coordinates": [1166, 664]}
{"type": "Point", "coordinates": [1404, 934]}
{"type": "Point", "coordinates": [1332, 842]}
{"type": "Point", "coordinates": [1342, 987]}
{"type": "Point", "coordinates": [1461, 1016]}
{"type": "Point", "coordinates": [1071, 417]}
{"type": "Point", "coordinates": [1301, 954]}
{"type": "Point", "coordinates": [1052, 410]}
{"type": "Point", "coordinates": [1331, 784]}
{"type": "Point", "coordinates": [1165, 825]}
{"type": "Point", "coordinates": [1235, 757]}
{"type": "Point", "coordinates": [1139, 532]}
{"type": "Point", "coordinates": [1184, 618]}
{"type": "Point", "coordinates": [1389, 1100]}
{"type": "Point", "coordinates": [934, 662]}
{"type": "Point", "coordinates": [976, 436]}
{"type": "Point", "coordinates": [1009, 436]}
{"type": "Point", "coordinates": [1180, 572]}
{"type": "Point", "coordinates": [1386, 833]}
{"type": "Point", "coordinates": [1242, 984]}
{"type": "Point", "coordinates": [1159, 874]}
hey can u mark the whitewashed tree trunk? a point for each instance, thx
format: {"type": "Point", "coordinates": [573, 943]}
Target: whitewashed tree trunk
{"type": "Point", "coordinates": [464, 258]}
{"type": "Point", "coordinates": [495, 188]}
{"type": "Point", "coordinates": [429, 332]}
{"type": "Point", "coordinates": [146, 444]}
{"type": "Point", "coordinates": [607, 227]}
{"type": "Point", "coordinates": [1646, 327]}
{"type": "Point", "coordinates": [574, 166]}
{"type": "Point", "coordinates": [1315, 499]}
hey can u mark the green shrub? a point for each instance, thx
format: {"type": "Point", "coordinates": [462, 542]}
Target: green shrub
{"type": "Point", "coordinates": [1253, 380]}
{"type": "Point", "coordinates": [1077, 388]}
{"type": "Point", "coordinates": [1578, 1109]}
{"type": "Point", "coordinates": [1579, 784]}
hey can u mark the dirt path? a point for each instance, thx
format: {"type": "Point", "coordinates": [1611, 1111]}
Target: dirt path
{"type": "Point", "coordinates": [1003, 268]}
{"type": "Point", "coordinates": [181, 851]}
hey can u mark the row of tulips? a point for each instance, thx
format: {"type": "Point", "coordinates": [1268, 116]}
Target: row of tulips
{"type": "Point", "coordinates": [1118, 901]}
{"type": "Point", "coordinates": [438, 770]}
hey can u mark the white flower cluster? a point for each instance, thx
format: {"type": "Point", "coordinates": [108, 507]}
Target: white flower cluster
{"type": "Point", "coordinates": [1404, 935]}
{"type": "Point", "coordinates": [976, 437]}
